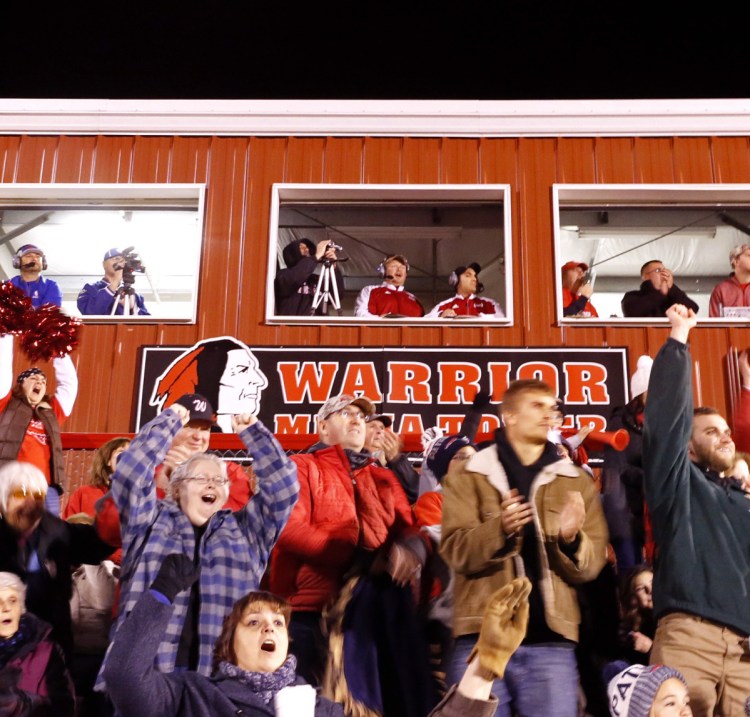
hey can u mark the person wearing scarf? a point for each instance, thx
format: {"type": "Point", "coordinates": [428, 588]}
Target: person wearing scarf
{"type": "Point", "coordinates": [253, 673]}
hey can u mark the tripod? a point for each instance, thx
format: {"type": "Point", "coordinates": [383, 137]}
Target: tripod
{"type": "Point", "coordinates": [126, 292]}
{"type": "Point", "coordinates": [327, 290]}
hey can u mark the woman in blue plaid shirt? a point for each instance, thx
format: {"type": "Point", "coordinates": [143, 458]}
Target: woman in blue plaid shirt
{"type": "Point", "coordinates": [231, 549]}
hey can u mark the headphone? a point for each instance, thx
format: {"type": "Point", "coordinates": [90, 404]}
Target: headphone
{"type": "Point", "coordinates": [17, 256]}
{"type": "Point", "coordinates": [456, 273]}
{"type": "Point", "coordinates": [380, 268]}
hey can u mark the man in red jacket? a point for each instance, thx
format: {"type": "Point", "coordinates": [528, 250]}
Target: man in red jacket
{"type": "Point", "coordinates": [352, 518]}
{"type": "Point", "coordinates": [390, 298]}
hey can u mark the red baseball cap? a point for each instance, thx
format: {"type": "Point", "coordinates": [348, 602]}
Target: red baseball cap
{"type": "Point", "coordinates": [575, 265]}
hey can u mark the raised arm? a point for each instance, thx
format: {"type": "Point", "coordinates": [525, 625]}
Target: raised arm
{"type": "Point", "coordinates": [267, 512]}
{"type": "Point", "coordinates": [67, 383]}
{"type": "Point", "coordinates": [133, 488]}
{"type": "Point", "coordinates": [669, 413]}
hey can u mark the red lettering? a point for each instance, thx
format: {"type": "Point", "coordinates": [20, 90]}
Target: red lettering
{"type": "Point", "coordinates": [585, 383]}
{"type": "Point", "coordinates": [409, 382]}
{"type": "Point", "coordinates": [542, 371]}
{"type": "Point", "coordinates": [459, 382]}
{"type": "Point", "coordinates": [411, 423]}
{"type": "Point", "coordinates": [286, 423]}
{"type": "Point", "coordinates": [314, 380]}
{"type": "Point", "coordinates": [360, 380]}
{"type": "Point", "coordinates": [499, 378]}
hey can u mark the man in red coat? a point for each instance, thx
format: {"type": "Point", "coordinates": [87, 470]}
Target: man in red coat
{"type": "Point", "coordinates": [390, 298]}
{"type": "Point", "coordinates": [466, 302]}
{"type": "Point", "coordinates": [352, 518]}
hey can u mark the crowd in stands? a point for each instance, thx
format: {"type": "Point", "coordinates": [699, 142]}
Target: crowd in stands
{"type": "Point", "coordinates": [503, 577]}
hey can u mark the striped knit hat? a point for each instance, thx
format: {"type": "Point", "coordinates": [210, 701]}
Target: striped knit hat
{"type": "Point", "coordinates": [631, 693]}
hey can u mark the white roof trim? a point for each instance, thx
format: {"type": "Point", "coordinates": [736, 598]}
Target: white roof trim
{"type": "Point", "coordinates": [380, 118]}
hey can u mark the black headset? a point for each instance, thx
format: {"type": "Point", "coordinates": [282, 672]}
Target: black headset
{"type": "Point", "coordinates": [456, 273]}
{"type": "Point", "coordinates": [17, 256]}
{"type": "Point", "coordinates": [380, 268]}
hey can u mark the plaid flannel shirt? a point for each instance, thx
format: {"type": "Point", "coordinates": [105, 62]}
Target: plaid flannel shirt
{"type": "Point", "coordinates": [234, 549]}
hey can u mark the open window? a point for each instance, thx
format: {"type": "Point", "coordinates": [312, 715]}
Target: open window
{"type": "Point", "coordinates": [77, 225]}
{"type": "Point", "coordinates": [437, 228]}
{"type": "Point", "coordinates": [616, 229]}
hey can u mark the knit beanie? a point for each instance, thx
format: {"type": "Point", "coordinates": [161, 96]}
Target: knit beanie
{"type": "Point", "coordinates": [442, 451]}
{"type": "Point", "coordinates": [639, 380]}
{"type": "Point", "coordinates": [631, 693]}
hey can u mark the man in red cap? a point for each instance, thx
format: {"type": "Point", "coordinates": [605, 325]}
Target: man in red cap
{"type": "Point", "coordinates": [576, 291]}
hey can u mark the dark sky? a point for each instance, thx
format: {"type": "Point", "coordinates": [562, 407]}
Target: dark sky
{"type": "Point", "coordinates": [414, 50]}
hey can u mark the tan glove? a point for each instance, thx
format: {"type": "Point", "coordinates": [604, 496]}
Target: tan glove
{"type": "Point", "coordinates": [503, 626]}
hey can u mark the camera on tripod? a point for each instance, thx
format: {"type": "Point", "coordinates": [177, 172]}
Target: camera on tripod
{"type": "Point", "coordinates": [131, 264]}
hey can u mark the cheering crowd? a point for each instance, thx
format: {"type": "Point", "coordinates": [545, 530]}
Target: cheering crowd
{"type": "Point", "coordinates": [503, 577]}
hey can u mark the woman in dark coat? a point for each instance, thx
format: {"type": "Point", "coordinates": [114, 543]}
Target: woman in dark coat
{"type": "Point", "coordinates": [253, 673]}
{"type": "Point", "coordinates": [34, 681]}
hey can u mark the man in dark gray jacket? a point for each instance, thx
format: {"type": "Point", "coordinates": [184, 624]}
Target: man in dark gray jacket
{"type": "Point", "coordinates": [702, 528]}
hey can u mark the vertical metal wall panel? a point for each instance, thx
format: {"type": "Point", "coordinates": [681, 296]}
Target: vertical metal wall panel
{"type": "Point", "coordinates": [239, 173]}
{"type": "Point", "coordinates": [189, 161]}
{"type": "Point", "coordinates": [614, 160]}
{"type": "Point", "coordinates": [304, 159]}
{"type": "Point", "coordinates": [343, 160]}
{"type": "Point", "coordinates": [575, 161]}
{"type": "Point", "coordinates": [654, 160]}
{"type": "Point", "coordinates": [36, 160]}
{"type": "Point", "coordinates": [692, 160]}
{"type": "Point", "coordinates": [534, 289]}
{"type": "Point", "coordinates": [498, 164]}
{"type": "Point", "coordinates": [152, 159]}
{"type": "Point", "coordinates": [10, 150]}
{"type": "Point", "coordinates": [219, 301]}
{"type": "Point", "coordinates": [731, 159]}
{"type": "Point", "coordinates": [114, 159]}
{"type": "Point", "coordinates": [266, 166]}
{"type": "Point", "coordinates": [421, 162]}
{"type": "Point", "coordinates": [75, 160]}
{"type": "Point", "coordinates": [382, 160]}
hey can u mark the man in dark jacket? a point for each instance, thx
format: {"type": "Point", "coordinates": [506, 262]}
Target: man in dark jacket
{"type": "Point", "coordinates": [294, 287]}
{"type": "Point", "coordinates": [657, 293]}
{"type": "Point", "coordinates": [702, 529]}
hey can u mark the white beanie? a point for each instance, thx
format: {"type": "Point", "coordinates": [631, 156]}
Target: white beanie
{"type": "Point", "coordinates": [631, 693]}
{"type": "Point", "coordinates": [639, 380]}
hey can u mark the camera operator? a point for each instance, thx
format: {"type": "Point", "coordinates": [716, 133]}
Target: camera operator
{"type": "Point", "coordinates": [99, 298]}
{"type": "Point", "coordinates": [294, 287]}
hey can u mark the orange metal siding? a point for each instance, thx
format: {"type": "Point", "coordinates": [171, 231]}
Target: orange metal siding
{"type": "Point", "coordinates": [239, 173]}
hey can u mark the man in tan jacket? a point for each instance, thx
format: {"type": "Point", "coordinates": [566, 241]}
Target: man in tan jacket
{"type": "Point", "coordinates": [523, 510]}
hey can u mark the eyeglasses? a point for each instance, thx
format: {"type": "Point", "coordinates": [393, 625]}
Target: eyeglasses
{"type": "Point", "coordinates": [22, 493]}
{"type": "Point", "coordinates": [205, 480]}
{"type": "Point", "coordinates": [346, 414]}
{"type": "Point", "coordinates": [656, 271]}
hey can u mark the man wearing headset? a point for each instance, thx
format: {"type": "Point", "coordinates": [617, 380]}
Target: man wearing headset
{"type": "Point", "coordinates": [31, 261]}
{"type": "Point", "coordinates": [390, 298]}
{"type": "Point", "coordinates": [466, 302]}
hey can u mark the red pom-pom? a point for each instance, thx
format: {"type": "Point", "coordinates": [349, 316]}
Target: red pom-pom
{"type": "Point", "coordinates": [53, 334]}
{"type": "Point", "coordinates": [14, 309]}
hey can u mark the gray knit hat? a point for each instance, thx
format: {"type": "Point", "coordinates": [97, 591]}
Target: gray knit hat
{"type": "Point", "coordinates": [631, 693]}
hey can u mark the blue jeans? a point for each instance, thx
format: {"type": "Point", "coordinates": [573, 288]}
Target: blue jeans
{"type": "Point", "coordinates": [540, 680]}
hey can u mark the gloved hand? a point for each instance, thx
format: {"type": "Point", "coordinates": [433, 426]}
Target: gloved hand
{"type": "Point", "coordinates": [482, 402]}
{"type": "Point", "coordinates": [177, 573]}
{"type": "Point", "coordinates": [504, 624]}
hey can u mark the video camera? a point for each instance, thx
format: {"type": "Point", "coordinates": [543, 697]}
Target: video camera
{"type": "Point", "coordinates": [130, 265]}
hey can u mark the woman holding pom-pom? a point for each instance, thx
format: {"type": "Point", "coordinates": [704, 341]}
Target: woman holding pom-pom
{"type": "Point", "coordinates": [29, 418]}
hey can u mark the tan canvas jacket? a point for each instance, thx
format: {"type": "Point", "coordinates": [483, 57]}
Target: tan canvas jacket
{"type": "Point", "coordinates": [483, 559]}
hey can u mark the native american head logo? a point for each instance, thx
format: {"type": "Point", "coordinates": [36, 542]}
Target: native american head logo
{"type": "Point", "coordinates": [222, 369]}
